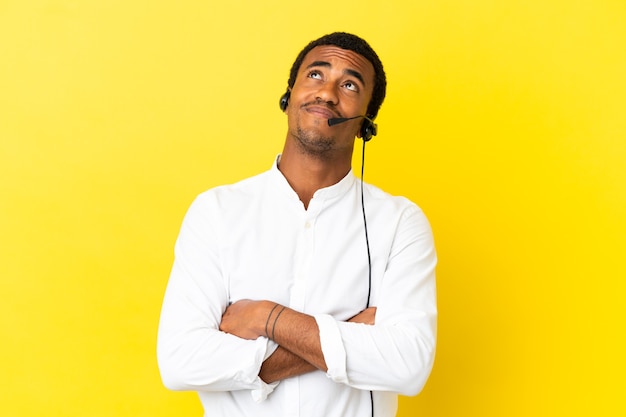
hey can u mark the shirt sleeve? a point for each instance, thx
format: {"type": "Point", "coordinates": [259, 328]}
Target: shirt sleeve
{"type": "Point", "coordinates": [193, 354]}
{"type": "Point", "coordinates": [397, 353]}
{"type": "Point", "coordinates": [263, 389]}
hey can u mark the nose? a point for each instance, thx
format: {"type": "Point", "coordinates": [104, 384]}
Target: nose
{"type": "Point", "coordinates": [327, 92]}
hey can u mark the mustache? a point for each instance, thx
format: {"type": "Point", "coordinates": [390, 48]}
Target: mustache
{"type": "Point", "coordinates": [323, 103]}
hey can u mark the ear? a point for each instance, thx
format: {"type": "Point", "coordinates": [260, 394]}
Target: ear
{"type": "Point", "coordinates": [359, 132]}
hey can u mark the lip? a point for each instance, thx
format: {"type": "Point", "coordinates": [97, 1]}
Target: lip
{"type": "Point", "coordinates": [321, 111]}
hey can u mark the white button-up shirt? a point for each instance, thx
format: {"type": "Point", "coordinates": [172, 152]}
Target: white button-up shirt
{"type": "Point", "coordinates": [254, 240]}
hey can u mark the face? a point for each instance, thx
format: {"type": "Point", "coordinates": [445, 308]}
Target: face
{"type": "Point", "coordinates": [331, 82]}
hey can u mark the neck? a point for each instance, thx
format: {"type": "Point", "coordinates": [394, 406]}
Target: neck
{"type": "Point", "coordinates": [306, 173]}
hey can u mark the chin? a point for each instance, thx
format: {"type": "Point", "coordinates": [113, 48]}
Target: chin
{"type": "Point", "coordinates": [313, 142]}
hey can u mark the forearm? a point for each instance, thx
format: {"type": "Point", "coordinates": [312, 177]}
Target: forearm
{"type": "Point", "coordinates": [294, 331]}
{"type": "Point", "coordinates": [283, 364]}
{"type": "Point", "coordinates": [298, 333]}
{"type": "Point", "coordinates": [298, 336]}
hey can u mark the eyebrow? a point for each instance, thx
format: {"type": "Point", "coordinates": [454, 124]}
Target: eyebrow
{"type": "Point", "coordinates": [348, 71]}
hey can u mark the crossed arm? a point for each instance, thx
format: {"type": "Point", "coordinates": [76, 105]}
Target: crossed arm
{"type": "Point", "coordinates": [296, 334]}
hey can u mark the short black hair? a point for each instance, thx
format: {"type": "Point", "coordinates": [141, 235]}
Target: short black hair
{"type": "Point", "coordinates": [355, 44]}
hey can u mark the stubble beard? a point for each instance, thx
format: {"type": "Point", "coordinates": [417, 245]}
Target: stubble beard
{"type": "Point", "coordinates": [314, 144]}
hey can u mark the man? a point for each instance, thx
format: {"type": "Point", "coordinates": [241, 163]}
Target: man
{"type": "Point", "coordinates": [291, 292]}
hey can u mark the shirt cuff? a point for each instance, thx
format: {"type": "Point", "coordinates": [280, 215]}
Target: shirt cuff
{"type": "Point", "coordinates": [260, 393]}
{"type": "Point", "coordinates": [262, 390]}
{"type": "Point", "coordinates": [332, 348]}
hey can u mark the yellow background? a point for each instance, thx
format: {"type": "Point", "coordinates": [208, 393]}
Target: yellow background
{"type": "Point", "coordinates": [505, 121]}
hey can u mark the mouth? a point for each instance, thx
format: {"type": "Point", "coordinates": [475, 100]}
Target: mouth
{"type": "Point", "coordinates": [321, 111]}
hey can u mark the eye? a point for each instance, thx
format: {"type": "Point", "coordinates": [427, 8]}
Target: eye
{"type": "Point", "coordinates": [351, 86]}
{"type": "Point", "coordinates": [315, 74]}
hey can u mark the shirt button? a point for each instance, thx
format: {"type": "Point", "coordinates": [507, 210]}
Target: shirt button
{"type": "Point", "coordinates": [307, 225]}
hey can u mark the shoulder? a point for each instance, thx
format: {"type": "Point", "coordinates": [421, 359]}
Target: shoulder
{"type": "Point", "coordinates": [382, 199]}
{"type": "Point", "coordinates": [218, 203]}
{"type": "Point", "coordinates": [392, 212]}
{"type": "Point", "coordinates": [243, 189]}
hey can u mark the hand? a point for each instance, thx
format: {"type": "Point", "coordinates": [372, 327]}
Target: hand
{"type": "Point", "coordinates": [366, 316]}
{"type": "Point", "coordinates": [246, 318]}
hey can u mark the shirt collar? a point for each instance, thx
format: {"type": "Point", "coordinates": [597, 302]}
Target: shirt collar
{"type": "Point", "coordinates": [326, 193]}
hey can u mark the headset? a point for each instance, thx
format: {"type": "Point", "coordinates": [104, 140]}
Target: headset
{"type": "Point", "coordinates": [369, 129]}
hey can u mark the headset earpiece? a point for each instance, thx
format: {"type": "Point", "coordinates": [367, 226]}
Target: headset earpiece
{"type": "Point", "coordinates": [368, 130]}
{"type": "Point", "coordinates": [284, 100]}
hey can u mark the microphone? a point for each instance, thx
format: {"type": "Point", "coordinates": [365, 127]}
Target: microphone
{"type": "Point", "coordinates": [368, 129]}
{"type": "Point", "coordinates": [337, 120]}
